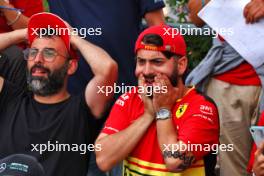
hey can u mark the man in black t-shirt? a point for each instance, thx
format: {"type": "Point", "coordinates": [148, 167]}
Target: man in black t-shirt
{"type": "Point", "coordinates": [47, 122]}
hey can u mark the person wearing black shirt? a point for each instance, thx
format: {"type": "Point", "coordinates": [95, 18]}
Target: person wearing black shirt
{"type": "Point", "coordinates": [47, 122]}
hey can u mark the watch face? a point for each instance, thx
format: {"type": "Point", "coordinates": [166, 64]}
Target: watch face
{"type": "Point", "coordinates": [163, 114]}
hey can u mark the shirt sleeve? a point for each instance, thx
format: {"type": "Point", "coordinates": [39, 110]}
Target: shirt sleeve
{"type": "Point", "coordinates": [91, 124]}
{"type": "Point", "coordinates": [119, 117]}
{"type": "Point", "coordinates": [150, 5]}
{"type": "Point", "coordinates": [29, 7]}
{"type": "Point", "coordinates": [201, 130]}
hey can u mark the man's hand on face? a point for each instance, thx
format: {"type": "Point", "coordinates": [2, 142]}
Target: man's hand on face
{"type": "Point", "coordinates": [254, 11]}
{"type": "Point", "coordinates": [258, 166]}
{"type": "Point", "coordinates": [167, 99]}
{"type": "Point", "coordinates": [148, 105]}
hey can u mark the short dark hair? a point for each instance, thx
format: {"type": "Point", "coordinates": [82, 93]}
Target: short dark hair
{"type": "Point", "coordinates": [156, 40]}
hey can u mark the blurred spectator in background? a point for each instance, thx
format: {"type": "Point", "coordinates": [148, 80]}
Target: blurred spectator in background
{"type": "Point", "coordinates": [253, 12]}
{"type": "Point", "coordinates": [235, 86]}
{"type": "Point", "coordinates": [113, 25]}
{"type": "Point", "coordinates": [14, 13]}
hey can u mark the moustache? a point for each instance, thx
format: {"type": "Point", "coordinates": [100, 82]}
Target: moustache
{"type": "Point", "coordinates": [38, 66]}
{"type": "Point", "coordinates": [149, 77]}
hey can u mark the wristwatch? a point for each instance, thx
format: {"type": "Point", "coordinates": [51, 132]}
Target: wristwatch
{"type": "Point", "coordinates": [163, 114]}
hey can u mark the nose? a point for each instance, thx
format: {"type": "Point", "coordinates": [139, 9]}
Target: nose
{"type": "Point", "coordinates": [39, 58]}
{"type": "Point", "coordinates": [148, 69]}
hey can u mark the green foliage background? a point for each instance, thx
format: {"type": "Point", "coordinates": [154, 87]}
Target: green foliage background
{"type": "Point", "coordinates": [198, 46]}
{"type": "Point", "coordinates": [46, 5]}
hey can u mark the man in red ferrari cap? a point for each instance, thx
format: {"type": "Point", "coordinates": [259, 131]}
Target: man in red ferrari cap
{"type": "Point", "coordinates": [149, 129]}
{"type": "Point", "coordinates": [47, 122]}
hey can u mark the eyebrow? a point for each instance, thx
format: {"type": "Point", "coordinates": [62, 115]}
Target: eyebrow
{"type": "Point", "coordinates": [43, 48]}
{"type": "Point", "coordinates": [50, 48]}
{"type": "Point", "coordinates": [158, 58]}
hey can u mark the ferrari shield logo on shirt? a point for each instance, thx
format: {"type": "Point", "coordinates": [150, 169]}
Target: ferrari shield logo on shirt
{"type": "Point", "coordinates": [181, 110]}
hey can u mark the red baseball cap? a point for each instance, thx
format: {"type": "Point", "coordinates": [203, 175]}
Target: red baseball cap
{"type": "Point", "coordinates": [49, 24]}
{"type": "Point", "coordinates": [172, 40]}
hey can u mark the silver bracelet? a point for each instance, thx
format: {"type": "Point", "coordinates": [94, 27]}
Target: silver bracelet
{"type": "Point", "coordinates": [15, 20]}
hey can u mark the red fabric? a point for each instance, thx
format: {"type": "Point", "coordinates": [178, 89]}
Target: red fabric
{"type": "Point", "coordinates": [172, 40]}
{"type": "Point", "coordinates": [29, 8]}
{"type": "Point", "coordinates": [254, 147]}
{"type": "Point", "coordinates": [244, 74]}
{"type": "Point", "coordinates": [221, 38]}
{"type": "Point", "coordinates": [194, 125]}
{"type": "Point", "coordinates": [199, 122]}
{"type": "Point", "coordinates": [49, 21]}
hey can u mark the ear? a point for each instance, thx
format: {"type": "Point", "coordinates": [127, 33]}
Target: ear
{"type": "Point", "coordinates": [182, 64]}
{"type": "Point", "coordinates": [73, 65]}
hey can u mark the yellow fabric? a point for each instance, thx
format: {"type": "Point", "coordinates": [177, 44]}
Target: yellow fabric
{"type": "Point", "coordinates": [154, 169]}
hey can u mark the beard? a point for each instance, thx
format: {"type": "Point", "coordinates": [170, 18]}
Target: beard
{"type": "Point", "coordinates": [151, 78]}
{"type": "Point", "coordinates": [51, 85]}
{"type": "Point", "coordinates": [173, 77]}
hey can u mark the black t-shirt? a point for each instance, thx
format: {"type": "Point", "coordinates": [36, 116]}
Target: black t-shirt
{"type": "Point", "coordinates": [24, 122]}
{"type": "Point", "coordinates": [13, 66]}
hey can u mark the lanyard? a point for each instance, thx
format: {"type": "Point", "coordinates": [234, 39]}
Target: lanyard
{"type": "Point", "coordinates": [10, 8]}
